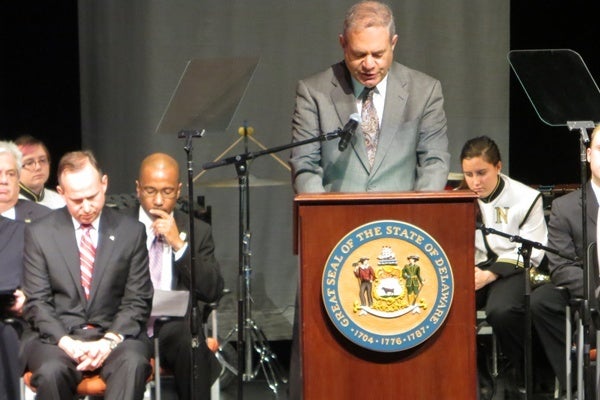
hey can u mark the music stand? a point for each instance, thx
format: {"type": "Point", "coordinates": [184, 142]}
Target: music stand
{"type": "Point", "coordinates": [246, 325]}
{"type": "Point", "coordinates": [207, 95]}
{"type": "Point", "coordinates": [249, 335]}
{"type": "Point", "coordinates": [563, 93]}
{"type": "Point", "coordinates": [206, 98]}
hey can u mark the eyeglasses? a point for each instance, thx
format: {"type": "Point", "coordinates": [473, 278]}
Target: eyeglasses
{"type": "Point", "coordinates": [30, 164]}
{"type": "Point", "coordinates": [167, 193]}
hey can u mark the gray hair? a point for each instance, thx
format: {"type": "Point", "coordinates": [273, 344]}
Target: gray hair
{"type": "Point", "coordinates": [11, 148]}
{"type": "Point", "coordinates": [368, 13]}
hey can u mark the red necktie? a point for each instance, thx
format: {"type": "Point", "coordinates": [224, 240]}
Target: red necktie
{"type": "Point", "coordinates": [87, 254]}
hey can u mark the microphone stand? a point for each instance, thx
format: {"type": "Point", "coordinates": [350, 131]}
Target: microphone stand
{"type": "Point", "coordinates": [525, 251]}
{"type": "Point", "coordinates": [586, 381]}
{"type": "Point", "coordinates": [188, 135]}
{"type": "Point", "coordinates": [245, 325]}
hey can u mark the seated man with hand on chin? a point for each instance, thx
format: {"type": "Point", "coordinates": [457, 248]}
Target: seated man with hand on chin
{"type": "Point", "coordinates": [158, 188]}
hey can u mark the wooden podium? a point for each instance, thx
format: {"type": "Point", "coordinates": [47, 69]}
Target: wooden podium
{"type": "Point", "coordinates": [333, 367]}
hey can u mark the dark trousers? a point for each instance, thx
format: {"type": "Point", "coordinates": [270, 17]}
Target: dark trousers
{"type": "Point", "coordinates": [504, 304]}
{"type": "Point", "coordinates": [548, 309]}
{"type": "Point", "coordinates": [10, 367]}
{"type": "Point", "coordinates": [55, 376]}
{"type": "Point", "coordinates": [176, 355]}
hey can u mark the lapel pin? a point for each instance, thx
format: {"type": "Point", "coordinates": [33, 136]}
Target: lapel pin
{"type": "Point", "coordinates": [111, 237]}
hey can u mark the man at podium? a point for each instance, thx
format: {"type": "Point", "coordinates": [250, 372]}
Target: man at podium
{"type": "Point", "coordinates": [401, 143]}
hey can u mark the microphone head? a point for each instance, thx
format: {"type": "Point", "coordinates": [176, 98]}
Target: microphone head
{"type": "Point", "coordinates": [348, 131]}
{"type": "Point", "coordinates": [482, 228]}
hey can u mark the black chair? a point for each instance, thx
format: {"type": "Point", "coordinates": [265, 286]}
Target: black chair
{"type": "Point", "coordinates": [575, 346]}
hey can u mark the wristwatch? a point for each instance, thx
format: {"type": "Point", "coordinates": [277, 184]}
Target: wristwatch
{"type": "Point", "coordinates": [112, 343]}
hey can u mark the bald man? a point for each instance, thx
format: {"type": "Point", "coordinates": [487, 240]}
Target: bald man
{"type": "Point", "coordinates": [158, 188]}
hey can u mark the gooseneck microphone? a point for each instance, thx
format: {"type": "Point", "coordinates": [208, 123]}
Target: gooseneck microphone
{"type": "Point", "coordinates": [482, 228]}
{"type": "Point", "coordinates": [348, 131]}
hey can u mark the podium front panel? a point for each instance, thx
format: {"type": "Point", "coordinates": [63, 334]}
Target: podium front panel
{"type": "Point", "coordinates": [442, 367]}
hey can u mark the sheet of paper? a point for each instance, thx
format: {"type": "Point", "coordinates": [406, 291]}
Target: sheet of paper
{"type": "Point", "coordinates": [170, 303]}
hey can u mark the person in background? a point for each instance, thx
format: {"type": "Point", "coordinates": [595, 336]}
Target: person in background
{"type": "Point", "coordinates": [158, 187]}
{"type": "Point", "coordinates": [35, 172]}
{"type": "Point", "coordinates": [19, 210]}
{"type": "Point", "coordinates": [565, 234]}
{"type": "Point", "coordinates": [512, 208]}
{"type": "Point", "coordinates": [401, 143]}
{"type": "Point", "coordinates": [88, 291]}
{"type": "Point", "coordinates": [10, 205]}
{"type": "Point", "coordinates": [11, 304]}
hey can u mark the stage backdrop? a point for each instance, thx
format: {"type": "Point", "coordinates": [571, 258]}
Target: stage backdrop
{"type": "Point", "coordinates": [133, 53]}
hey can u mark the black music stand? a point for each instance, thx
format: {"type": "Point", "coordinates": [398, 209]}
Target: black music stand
{"type": "Point", "coordinates": [249, 334]}
{"type": "Point", "coordinates": [206, 98]}
{"type": "Point", "coordinates": [563, 93]}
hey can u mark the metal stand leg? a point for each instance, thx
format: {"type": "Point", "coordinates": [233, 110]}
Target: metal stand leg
{"type": "Point", "coordinates": [580, 352]}
{"type": "Point", "coordinates": [597, 369]}
{"type": "Point", "coordinates": [215, 390]}
{"type": "Point", "coordinates": [267, 361]}
{"type": "Point", "coordinates": [569, 353]}
{"type": "Point", "coordinates": [157, 388]}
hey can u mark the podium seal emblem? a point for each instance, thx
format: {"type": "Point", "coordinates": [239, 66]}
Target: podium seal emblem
{"type": "Point", "coordinates": [387, 286]}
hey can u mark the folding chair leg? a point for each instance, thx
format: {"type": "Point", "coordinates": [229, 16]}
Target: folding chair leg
{"type": "Point", "coordinates": [157, 388]}
{"type": "Point", "coordinates": [597, 368]}
{"type": "Point", "coordinates": [494, 356]}
{"type": "Point", "coordinates": [22, 388]}
{"type": "Point", "coordinates": [556, 388]}
{"type": "Point", "coordinates": [580, 350]}
{"type": "Point", "coordinates": [569, 353]}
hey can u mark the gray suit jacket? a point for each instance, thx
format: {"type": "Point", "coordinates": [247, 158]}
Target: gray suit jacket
{"type": "Point", "coordinates": [412, 153]}
{"type": "Point", "coordinates": [121, 293]}
{"type": "Point", "coordinates": [565, 235]}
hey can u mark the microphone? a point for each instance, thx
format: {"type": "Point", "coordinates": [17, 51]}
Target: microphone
{"type": "Point", "coordinates": [482, 228]}
{"type": "Point", "coordinates": [348, 131]}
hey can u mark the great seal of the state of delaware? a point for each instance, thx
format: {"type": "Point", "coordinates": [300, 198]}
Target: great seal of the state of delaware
{"type": "Point", "coordinates": [387, 286]}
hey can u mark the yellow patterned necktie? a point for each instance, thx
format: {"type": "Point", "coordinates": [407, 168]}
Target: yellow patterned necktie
{"type": "Point", "coordinates": [369, 124]}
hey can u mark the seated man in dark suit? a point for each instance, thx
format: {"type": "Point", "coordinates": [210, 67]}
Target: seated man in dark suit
{"type": "Point", "coordinates": [88, 291]}
{"type": "Point", "coordinates": [158, 188]}
{"type": "Point", "coordinates": [11, 206]}
{"type": "Point", "coordinates": [11, 302]}
{"type": "Point", "coordinates": [11, 260]}
{"type": "Point", "coordinates": [565, 233]}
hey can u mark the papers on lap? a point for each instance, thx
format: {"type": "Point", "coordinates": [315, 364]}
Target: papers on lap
{"type": "Point", "coordinates": [170, 303]}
